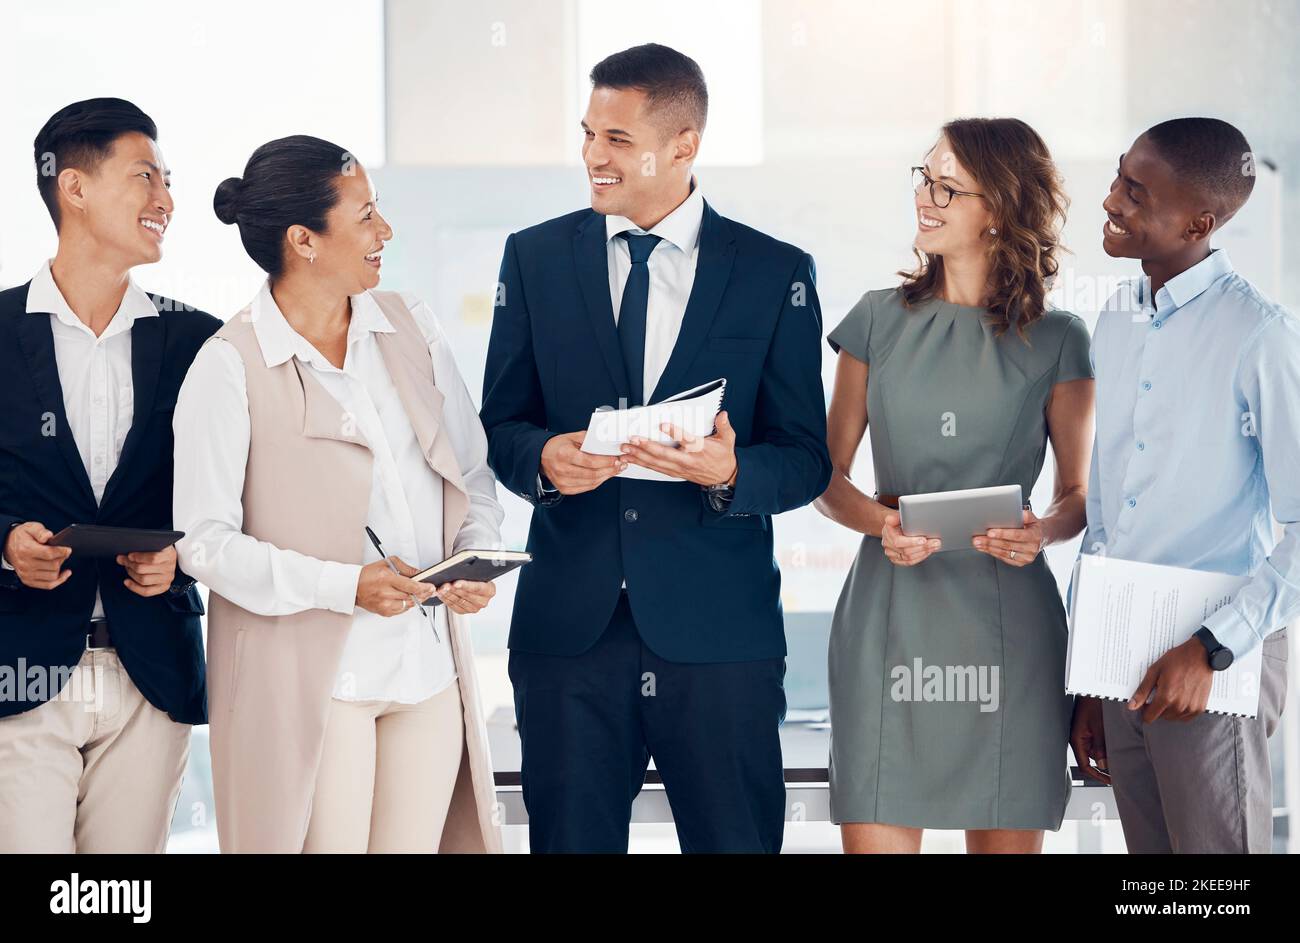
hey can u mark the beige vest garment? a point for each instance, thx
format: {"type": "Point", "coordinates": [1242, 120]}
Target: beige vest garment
{"type": "Point", "coordinates": [270, 678]}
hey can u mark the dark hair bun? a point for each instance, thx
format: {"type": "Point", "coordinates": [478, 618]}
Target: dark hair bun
{"type": "Point", "coordinates": [287, 182]}
{"type": "Point", "coordinates": [226, 201]}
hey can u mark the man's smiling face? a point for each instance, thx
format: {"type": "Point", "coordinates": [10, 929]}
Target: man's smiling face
{"type": "Point", "coordinates": [628, 165]}
{"type": "Point", "coordinates": [1147, 210]}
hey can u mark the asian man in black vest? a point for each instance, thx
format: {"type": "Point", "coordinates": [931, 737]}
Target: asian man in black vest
{"type": "Point", "coordinates": [101, 659]}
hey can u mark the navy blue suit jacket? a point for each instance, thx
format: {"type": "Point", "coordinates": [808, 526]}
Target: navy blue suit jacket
{"type": "Point", "coordinates": [42, 478]}
{"type": "Point", "coordinates": [703, 585]}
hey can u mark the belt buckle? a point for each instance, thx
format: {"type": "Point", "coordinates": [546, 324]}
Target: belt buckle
{"type": "Point", "coordinates": [96, 648]}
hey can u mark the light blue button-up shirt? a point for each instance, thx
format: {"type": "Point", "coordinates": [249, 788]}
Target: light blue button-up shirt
{"type": "Point", "coordinates": [1198, 428]}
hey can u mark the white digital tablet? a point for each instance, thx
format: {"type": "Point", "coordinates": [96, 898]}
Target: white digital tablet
{"type": "Point", "coordinates": [957, 516]}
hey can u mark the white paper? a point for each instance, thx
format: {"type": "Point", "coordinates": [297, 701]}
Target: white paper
{"type": "Point", "coordinates": [693, 410]}
{"type": "Point", "coordinates": [1124, 615]}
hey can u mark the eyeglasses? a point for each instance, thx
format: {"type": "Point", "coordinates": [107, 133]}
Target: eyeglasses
{"type": "Point", "coordinates": [920, 178]}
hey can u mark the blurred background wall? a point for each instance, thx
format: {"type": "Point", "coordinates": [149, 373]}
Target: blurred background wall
{"type": "Point", "coordinates": [467, 115]}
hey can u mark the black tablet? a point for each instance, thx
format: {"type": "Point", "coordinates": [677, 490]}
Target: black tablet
{"type": "Point", "coordinates": [96, 540]}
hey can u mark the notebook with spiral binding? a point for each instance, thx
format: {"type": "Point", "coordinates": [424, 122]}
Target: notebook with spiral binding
{"type": "Point", "coordinates": [1125, 614]}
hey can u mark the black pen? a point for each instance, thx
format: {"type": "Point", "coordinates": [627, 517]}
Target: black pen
{"type": "Point", "coordinates": [418, 605]}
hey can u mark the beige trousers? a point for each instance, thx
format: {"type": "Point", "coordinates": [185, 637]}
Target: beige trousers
{"type": "Point", "coordinates": [97, 769]}
{"type": "Point", "coordinates": [386, 775]}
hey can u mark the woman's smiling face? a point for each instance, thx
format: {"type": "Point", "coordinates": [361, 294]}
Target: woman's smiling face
{"type": "Point", "coordinates": [348, 251]}
{"type": "Point", "coordinates": [958, 227]}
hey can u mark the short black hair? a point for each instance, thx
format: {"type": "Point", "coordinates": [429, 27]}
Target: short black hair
{"type": "Point", "coordinates": [673, 84]}
{"type": "Point", "coordinates": [1209, 155]}
{"type": "Point", "coordinates": [287, 182]}
{"type": "Point", "coordinates": [81, 135]}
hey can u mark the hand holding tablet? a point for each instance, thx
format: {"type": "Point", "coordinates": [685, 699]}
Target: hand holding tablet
{"type": "Point", "coordinates": [1018, 546]}
{"type": "Point", "coordinates": [98, 540]}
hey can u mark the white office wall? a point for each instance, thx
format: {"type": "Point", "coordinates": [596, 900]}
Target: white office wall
{"type": "Point", "coordinates": [474, 84]}
{"type": "Point", "coordinates": [218, 80]}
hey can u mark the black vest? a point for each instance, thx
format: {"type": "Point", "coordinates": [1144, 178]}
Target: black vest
{"type": "Point", "coordinates": [42, 478]}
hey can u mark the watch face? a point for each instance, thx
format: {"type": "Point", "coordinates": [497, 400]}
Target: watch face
{"type": "Point", "coordinates": [1221, 659]}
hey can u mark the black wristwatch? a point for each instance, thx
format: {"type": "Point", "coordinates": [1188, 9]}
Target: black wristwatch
{"type": "Point", "coordinates": [1220, 656]}
{"type": "Point", "coordinates": [719, 496]}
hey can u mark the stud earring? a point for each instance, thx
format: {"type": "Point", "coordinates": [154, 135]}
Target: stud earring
{"type": "Point", "coordinates": [993, 232]}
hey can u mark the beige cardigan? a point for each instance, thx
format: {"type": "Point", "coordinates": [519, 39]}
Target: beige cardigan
{"type": "Point", "coordinates": [270, 678]}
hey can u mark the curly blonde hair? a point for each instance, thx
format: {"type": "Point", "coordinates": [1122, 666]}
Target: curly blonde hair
{"type": "Point", "coordinates": [1025, 196]}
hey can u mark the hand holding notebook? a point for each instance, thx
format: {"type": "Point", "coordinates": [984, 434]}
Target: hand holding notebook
{"type": "Point", "coordinates": [693, 411]}
{"type": "Point", "coordinates": [478, 566]}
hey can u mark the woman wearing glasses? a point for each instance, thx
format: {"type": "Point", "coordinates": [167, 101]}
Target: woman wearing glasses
{"type": "Point", "coordinates": [946, 668]}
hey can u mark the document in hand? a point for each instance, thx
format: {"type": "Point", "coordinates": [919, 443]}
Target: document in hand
{"type": "Point", "coordinates": [692, 410]}
{"type": "Point", "coordinates": [1124, 615]}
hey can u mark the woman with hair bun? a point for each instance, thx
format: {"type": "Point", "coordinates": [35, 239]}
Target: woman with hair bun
{"type": "Point", "coordinates": [344, 714]}
{"type": "Point", "coordinates": [946, 669]}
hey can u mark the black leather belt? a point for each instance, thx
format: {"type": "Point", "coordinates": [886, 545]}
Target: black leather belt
{"type": "Point", "coordinates": [98, 636]}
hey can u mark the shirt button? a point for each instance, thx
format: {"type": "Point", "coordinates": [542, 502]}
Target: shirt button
{"type": "Point", "coordinates": [1146, 385]}
{"type": "Point", "coordinates": [1141, 445]}
{"type": "Point", "coordinates": [1132, 502]}
{"type": "Point", "coordinates": [1156, 324]}
{"type": "Point", "coordinates": [630, 515]}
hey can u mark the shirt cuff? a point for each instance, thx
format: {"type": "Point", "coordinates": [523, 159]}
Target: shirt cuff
{"type": "Point", "coordinates": [1233, 632]}
{"type": "Point", "coordinates": [336, 590]}
{"type": "Point", "coordinates": [4, 562]}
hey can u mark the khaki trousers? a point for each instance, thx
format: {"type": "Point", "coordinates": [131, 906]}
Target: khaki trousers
{"type": "Point", "coordinates": [386, 775]}
{"type": "Point", "coordinates": [97, 769]}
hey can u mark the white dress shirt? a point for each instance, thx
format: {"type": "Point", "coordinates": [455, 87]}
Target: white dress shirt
{"type": "Point", "coordinates": [393, 658]}
{"type": "Point", "coordinates": [672, 275]}
{"type": "Point", "coordinates": [95, 374]}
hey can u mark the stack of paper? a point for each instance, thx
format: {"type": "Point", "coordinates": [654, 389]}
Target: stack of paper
{"type": "Point", "coordinates": [1124, 615]}
{"type": "Point", "coordinates": [692, 410]}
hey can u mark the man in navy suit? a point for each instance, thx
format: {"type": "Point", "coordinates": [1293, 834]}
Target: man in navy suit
{"type": "Point", "coordinates": [649, 624]}
{"type": "Point", "coordinates": [101, 659]}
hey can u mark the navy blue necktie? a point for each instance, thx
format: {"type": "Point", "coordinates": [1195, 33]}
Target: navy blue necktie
{"type": "Point", "coordinates": [632, 312]}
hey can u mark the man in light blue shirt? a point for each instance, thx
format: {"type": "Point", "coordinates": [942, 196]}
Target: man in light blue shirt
{"type": "Point", "coordinates": [1198, 431]}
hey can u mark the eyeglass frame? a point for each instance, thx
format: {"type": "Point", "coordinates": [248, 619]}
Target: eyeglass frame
{"type": "Point", "coordinates": [953, 191]}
